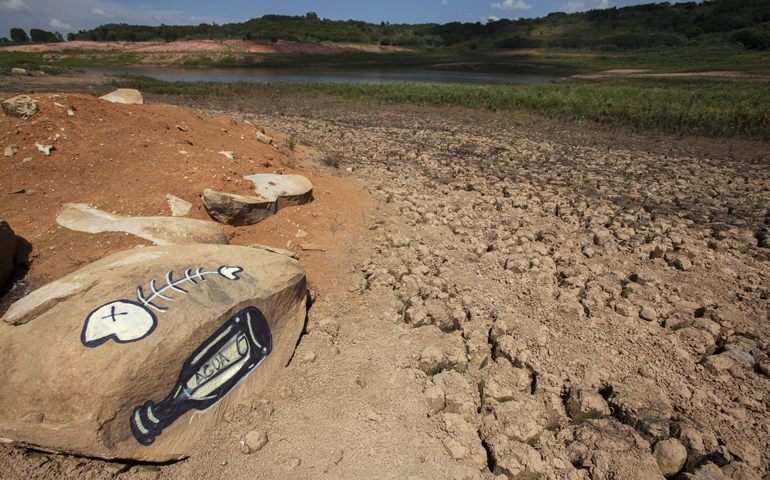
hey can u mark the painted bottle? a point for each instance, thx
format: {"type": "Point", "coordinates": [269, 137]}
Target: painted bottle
{"type": "Point", "coordinates": [227, 357]}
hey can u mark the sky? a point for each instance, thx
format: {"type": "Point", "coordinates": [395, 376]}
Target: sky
{"type": "Point", "coordinates": [66, 16]}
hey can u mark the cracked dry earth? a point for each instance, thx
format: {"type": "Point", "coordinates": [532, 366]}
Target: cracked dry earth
{"type": "Point", "coordinates": [529, 299]}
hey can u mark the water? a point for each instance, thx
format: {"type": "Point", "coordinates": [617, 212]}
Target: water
{"type": "Point", "coordinates": [325, 75]}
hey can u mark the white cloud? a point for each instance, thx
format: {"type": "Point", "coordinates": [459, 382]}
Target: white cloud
{"type": "Point", "coordinates": [493, 18]}
{"type": "Point", "coordinates": [56, 24]}
{"type": "Point", "coordinates": [101, 13]}
{"type": "Point", "coordinates": [445, 2]}
{"type": "Point", "coordinates": [512, 5]}
{"type": "Point", "coordinates": [15, 6]}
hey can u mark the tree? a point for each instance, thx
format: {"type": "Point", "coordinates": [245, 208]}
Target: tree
{"type": "Point", "coordinates": [19, 36]}
{"type": "Point", "coordinates": [42, 36]}
{"type": "Point", "coordinates": [311, 16]}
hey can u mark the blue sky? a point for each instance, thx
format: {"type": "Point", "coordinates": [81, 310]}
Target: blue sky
{"type": "Point", "coordinates": [67, 16]}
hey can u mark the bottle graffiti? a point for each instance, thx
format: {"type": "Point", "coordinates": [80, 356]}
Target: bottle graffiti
{"type": "Point", "coordinates": [209, 373]}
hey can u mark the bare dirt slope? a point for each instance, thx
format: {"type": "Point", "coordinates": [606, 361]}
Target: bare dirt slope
{"type": "Point", "coordinates": [499, 295]}
{"type": "Point", "coordinates": [231, 46]}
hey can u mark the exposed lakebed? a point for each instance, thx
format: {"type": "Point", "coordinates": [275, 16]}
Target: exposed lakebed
{"type": "Point", "coordinates": [325, 75]}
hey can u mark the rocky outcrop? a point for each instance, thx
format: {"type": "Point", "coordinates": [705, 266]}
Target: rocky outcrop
{"type": "Point", "coordinates": [135, 355]}
{"type": "Point", "coordinates": [161, 230]}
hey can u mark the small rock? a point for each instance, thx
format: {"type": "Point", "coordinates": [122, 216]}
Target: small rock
{"type": "Point", "coordinates": [293, 463]}
{"type": "Point", "coordinates": [625, 308]}
{"type": "Point", "coordinates": [228, 153]}
{"type": "Point", "coordinates": [671, 456]}
{"type": "Point", "coordinates": [454, 449]}
{"type": "Point", "coordinates": [263, 138]}
{"type": "Point", "coordinates": [20, 106]}
{"type": "Point", "coordinates": [647, 371]}
{"type": "Point", "coordinates": [464, 472]}
{"type": "Point", "coordinates": [11, 150]}
{"type": "Point", "coordinates": [179, 207]}
{"type": "Point", "coordinates": [45, 149]}
{"type": "Point", "coordinates": [254, 441]}
{"type": "Point", "coordinates": [586, 403]}
{"type": "Point", "coordinates": [648, 313]}
{"type": "Point", "coordinates": [309, 357]}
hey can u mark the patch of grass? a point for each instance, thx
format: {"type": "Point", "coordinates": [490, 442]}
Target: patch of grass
{"type": "Point", "coordinates": [684, 106]}
{"type": "Point", "coordinates": [332, 161]}
{"type": "Point", "coordinates": [336, 224]}
{"type": "Point", "coordinates": [78, 262]}
{"type": "Point", "coordinates": [291, 142]}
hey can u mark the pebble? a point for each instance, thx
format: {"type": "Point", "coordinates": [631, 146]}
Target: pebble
{"type": "Point", "coordinates": [648, 313]}
{"type": "Point", "coordinates": [254, 441]}
{"type": "Point", "coordinates": [671, 456]}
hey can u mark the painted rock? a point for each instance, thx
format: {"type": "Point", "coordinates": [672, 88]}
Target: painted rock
{"type": "Point", "coordinates": [137, 354]}
{"type": "Point", "coordinates": [271, 193]}
{"type": "Point", "coordinates": [161, 230]}
{"type": "Point", "coordinates": [124, 95]}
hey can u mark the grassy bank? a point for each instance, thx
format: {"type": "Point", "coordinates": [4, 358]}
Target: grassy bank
{"type": "Point", "coordinates": [710, 107]}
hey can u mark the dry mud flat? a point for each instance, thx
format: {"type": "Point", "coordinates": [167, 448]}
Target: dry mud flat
{"type": "Point", "coordinates": [582, 304]}
{"type": "Point", "coordinates": [529, 300]}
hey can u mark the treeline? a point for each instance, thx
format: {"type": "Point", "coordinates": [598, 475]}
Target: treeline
{"type": "Point", "coordinates": [308, 28]}
{"type": "Point", "coordinates": [36, 35]}
{"type": "Point", "coordinates": [651, 26]}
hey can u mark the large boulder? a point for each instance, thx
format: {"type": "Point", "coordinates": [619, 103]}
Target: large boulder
{"type": "Point", "coordinates": [137, 354]}
{"type": "Point", "coordinates": [161, 230]}
{"type": "Point", "coordinates": [20, 106]}
{"type": "Point", "coordinates": [272, 193]}
{"type": "Point", "coordinates": [124, 95]}
{"type": "Point", "coordinates": [8, 242]}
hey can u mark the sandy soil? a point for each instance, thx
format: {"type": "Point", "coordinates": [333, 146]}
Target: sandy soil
{"type": "Point", "coordinates": [501, 296]}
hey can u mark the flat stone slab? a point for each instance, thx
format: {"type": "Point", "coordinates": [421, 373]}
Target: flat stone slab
{"type": "Point", "coordinates": [137, 354]}
{"type": "Point", "coordinates": [124, 95]}
{"type": "Point", "coordinates": [284, 190]}
{"type": "Point", "coordinates": [272, 193]}
{"type": "Point", "coordinates": [161, 230]}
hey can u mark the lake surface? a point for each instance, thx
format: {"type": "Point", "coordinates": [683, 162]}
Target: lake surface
{"type": "Point", "coordinates": [325, 75]}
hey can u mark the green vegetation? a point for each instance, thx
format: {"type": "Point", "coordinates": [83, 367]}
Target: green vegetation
{"type": "Point", "coordinates": [654, 26]}
{"type": "Point", "coordinates": [28, 61]}
{"type": "Point", "coordinates": [675, 105]}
